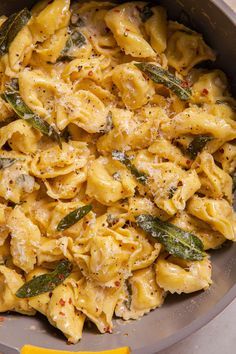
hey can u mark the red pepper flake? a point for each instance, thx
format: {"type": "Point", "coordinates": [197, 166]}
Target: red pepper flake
{"type": "Point", "coordinates": [188, 162]}
{"type": "Point", "coordinates": [62, 302]}
{"type": "Point", "coordinates": [185, 84]}
{"type": "Point", "coordinates": [108, 329]}
{"type": "Point", "coordinates": [2, 319]}
{"type": "Point", "coordinates": [61, 276]}
{"type": "Point", "coordinates": [117, 283]}
{"type": "Point", "coordinates": [70, 301]}
{"type": "Point", "coordinates": [90, 73]}
{"type": "Point", "coordinates": [61, 313]}
{"type": "Point", "coordinates": [205, 92]}
{"type": "Point", "coordinates": [180, 183]}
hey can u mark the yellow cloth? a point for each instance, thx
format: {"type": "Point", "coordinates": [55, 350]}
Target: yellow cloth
{"type": "Point", "coordinates": [29, 349]}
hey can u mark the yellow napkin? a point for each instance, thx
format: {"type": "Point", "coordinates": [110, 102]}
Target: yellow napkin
{"type": "Point", "coordinates": [29, 349]}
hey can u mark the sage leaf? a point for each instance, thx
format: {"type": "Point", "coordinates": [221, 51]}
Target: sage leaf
{"type": "Point", "coordinates": [164, 77]}
{"type": "Point", "coordinates": [46, 282]}
{"type": "Point", "coordinates": [11, 27]}
{"type": "Point", "coordinates": [13, 98]}
{"type": "Point", "coordinates": [123, 158]}
{"type": "Point", "coordinates": [177, 242]}
{"type": "Point", "coordinates": [73, 217]}
{"type": "Point", "coordinates": [6, 162]}
{"type": "Point", "coordinates": [146, 12]}
{"type": "Point", "coordinates": [75, 40]}
{"type": "Point", "coordinates": [197, 144]}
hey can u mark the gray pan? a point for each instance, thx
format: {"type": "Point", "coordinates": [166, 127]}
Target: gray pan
{"type": "Point", "coordinates": [180, 315]}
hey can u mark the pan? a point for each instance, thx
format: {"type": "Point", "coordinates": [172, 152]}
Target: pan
{"type": "Point", "coordinates": [180, 315]}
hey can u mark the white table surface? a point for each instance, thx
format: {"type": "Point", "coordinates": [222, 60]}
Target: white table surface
{"type": "Point", "coordinates": [218, 336]}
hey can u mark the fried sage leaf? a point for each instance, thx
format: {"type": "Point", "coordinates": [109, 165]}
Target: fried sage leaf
{"type": "Point", "coordinates": [6, 162]}
{"type": "Point", "coordinates": [75, 40]}
{"type": "Point", "coordinates": [11, 27]}
{"type": "Point", "coordinates": [197, 144]}
{"type": "Point", "coordinates": [13, 98]}
{"type": "Point", "coordinates": [73, 217]}
{"type": "Point", "coordinates": [146, 12]}
{"type": "Point", "coordinates": [176, 241]}
{"type": "Point", "coordinates": [123, 158]}
{"type": "Point", "coordinates": [45, 282]}
{"type": "Point", "coordinates": [161, 76]}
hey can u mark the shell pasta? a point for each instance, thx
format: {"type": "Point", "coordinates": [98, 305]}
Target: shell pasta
{"type": "Point", "coordinates": [117, 162]}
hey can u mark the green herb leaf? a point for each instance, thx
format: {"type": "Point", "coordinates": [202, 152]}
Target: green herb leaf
{"type": "Point", "coordinates": [161, 76]}
{"type": "Point", "coordinates": [73, 217]}
{"type": "Point", "coordinates": [13, 98]}
{"type": "Point", "coordinates": [109, 124]}
{"type": "Point", "coordinates": [176, 241]}
{"type": "Point", "coordinates": [76, 40]}
{"type": "Point", "coordinates": [146, 12]}
{"type": "Point", "coordinates": [172, 191]}
{"type": "Point", "coordinates": [230, 103]}
{"type": "Point", "coordinates": [122, 157]}
{"type": "Point", "coordinates": [11, 27]}
{"type": "Point", "coordinates": [197, 144]}
{"type": "Point", "coordinates": [46, 282]}
{"type": "Point", "coordinates": [6, 162]}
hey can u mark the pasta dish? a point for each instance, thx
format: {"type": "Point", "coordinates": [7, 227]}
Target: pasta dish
{"type": "Point", "coordinates": [117, 162]}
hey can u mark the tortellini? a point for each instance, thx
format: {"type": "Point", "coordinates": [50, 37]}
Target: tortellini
{"type": "Point", "coordinates": [210, 87]}
{"type": "Point", "coordinates": [16, 180]}
{"type": "Point", "coordinates": [226, 156]}
{"type": "Point", "coordinates": [10, 282]}
{"type": "Point", "coordinates": [57, 161]}
{"type": "Point", "coordinates": [50, 18]}
{"type": "Point", "coordinates": [156, 29]}
{"type": "Point", "coordinates": [131, 131]}
{"type": "Point", "coordinates": [211, 239]}
{"type": "Point", "coordinates": [96, 303]}
{"type": "Point", "coordinates": [140, 295]}
{"type": "Point", "coordinates": [89, 141]}
{"type": "Point", "coordinates": [20, 136]}
{"type": "Point", "coordinates": [59, 307]}
{"type": "Point", "coordinates": [134, 89]}
{"type": "Point", "coordinates": [215, 182]}
{"type": "Point", "coordinates": [180, 276]}
{"type": "Point", "coordinates": [109, 181]}
{"type": "Point", "coordinates": [217, 213]}
{"type": "Point", "coordinates": [185, 49]}
{"type": "Point", "coordinates": [25, 240]}
{"type": "Point", "coordinates": [197, 121]}
{"type": "Point", "coordinates": [124, 22]}
{"type": "Point", "coordinates": [169, 184]}
{"type": "Point", "coordinates": [4, 230]}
